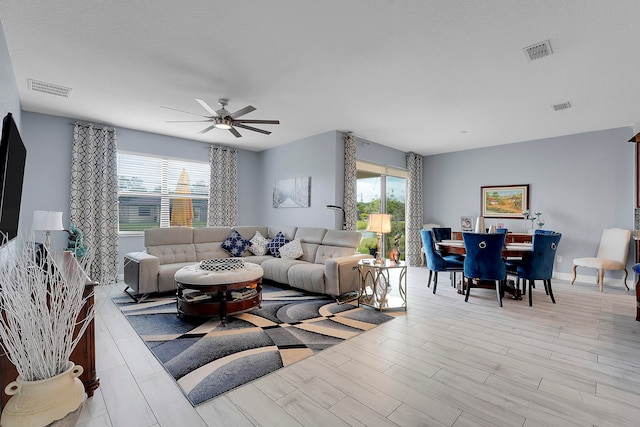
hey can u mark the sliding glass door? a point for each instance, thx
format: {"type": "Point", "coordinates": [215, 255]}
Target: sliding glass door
{"type": "Point", "coordinates": [381, 189]}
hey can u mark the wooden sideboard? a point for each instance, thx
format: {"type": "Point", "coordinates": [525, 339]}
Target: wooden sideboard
{"type": "Point", "coordinates": [84, 354]}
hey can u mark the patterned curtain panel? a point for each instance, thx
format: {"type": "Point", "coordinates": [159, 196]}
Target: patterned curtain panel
{"type": "Point", "coordinates": [350, 183]}
{"type": "Point", "coordinates": [414, 209]}
{"type": "Point", "coordinates": [94, 197]}
{"type": "Point", "coordinates": [223, 189]}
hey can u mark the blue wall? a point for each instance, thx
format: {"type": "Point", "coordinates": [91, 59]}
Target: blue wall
{"type": "Point", "coordinates": [581, 183]}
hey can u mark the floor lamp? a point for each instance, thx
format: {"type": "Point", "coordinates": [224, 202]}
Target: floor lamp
{"type": "Point", "coordinates": [381, 224]}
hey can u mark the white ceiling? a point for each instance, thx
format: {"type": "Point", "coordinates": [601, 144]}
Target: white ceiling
{"type": "Point", "coordinates": [428, 76]}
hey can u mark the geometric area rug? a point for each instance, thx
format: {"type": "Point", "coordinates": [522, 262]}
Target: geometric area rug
{"type": "Point", "coordinates": [208, 359]}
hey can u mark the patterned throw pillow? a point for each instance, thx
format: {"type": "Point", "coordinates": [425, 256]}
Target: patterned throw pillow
{"type": "Point", "coordinates": [235, 244]}
{"type": "Point", "coordinates": [258, 244]}
{"type": "Point", "coordinates": [291, 250]}
{"type": "Point", "coordinates": [276, 243]}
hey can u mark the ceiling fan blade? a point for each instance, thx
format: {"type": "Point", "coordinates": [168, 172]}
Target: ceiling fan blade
{"type": "Point", "coordinates": [206, 107]}
{"type": "Point", "coordinates": [188, 121]}
{"type": "Point", "coordinates": [235, 133]}
{"type": "Point", "coordinates": [182, 111]}
{"type": "Point", "coordinates": [264, 122]}
{"type": "Point", "coordinates": [240, 125]}
{"type": "Point", "coordinates": [207, 129]}
{"type": "Point", "coordinates": [243, 111]}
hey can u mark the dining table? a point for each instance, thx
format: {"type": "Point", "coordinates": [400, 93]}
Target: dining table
{"type": "Point", "coordinates": [513, 250]}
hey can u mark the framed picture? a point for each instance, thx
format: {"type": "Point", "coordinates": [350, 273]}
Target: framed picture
{"type": "Point", "coordinates": [504, 201]}
{"type": "Point", "coordinates": [466, 223]}
{"type": "Point", "coordinates": [292, 193]}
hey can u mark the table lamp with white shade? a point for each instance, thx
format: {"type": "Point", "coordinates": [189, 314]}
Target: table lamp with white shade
{"type": "Point", "coordinates": [379, 223]}
{"type": "Point", "coordinates": [47, 221]}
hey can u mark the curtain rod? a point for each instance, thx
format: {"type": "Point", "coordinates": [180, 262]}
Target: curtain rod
{"type": "Point", "coordinates": [98, 127]}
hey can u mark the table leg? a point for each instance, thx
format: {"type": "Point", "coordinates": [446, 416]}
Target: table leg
{"type": "Point", "coordinates": [223, 308]}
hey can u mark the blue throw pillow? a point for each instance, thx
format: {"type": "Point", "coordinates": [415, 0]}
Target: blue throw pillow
{"type": "Point", "coordinates": [276, 243]}
{"type": "Point", "coordinates": [235, 244]}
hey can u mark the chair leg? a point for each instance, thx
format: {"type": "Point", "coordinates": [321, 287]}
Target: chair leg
{"type": "Point", "coordinates": [466, 296]}
{"type": "Point", "coordinates": [601, 279]}
{"type": "Point", "coordinates": [544, 282]}
{"type": "Point", "coordinates": [429, 281]}
{"type": "Point", "coordinates": [574, 274]}
{"type": "Point", "coordinates": [625, 279]}
{"type": "Point", "coordinates": [435, 281]}
{"type": "Point", "coordinates": [548, 285]}
{"type": "Point", "coordinates": [530, 293]}
{"type": "Point", "coordinates": [499, 291]}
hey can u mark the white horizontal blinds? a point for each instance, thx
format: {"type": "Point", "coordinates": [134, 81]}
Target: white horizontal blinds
{"type": "Point", "coordinates": [196, 173]}
{"type": "Point", "coordinates": [149, 185]}
{"type": "Point", "coordinates": [138, 174]}
{"type": "Point", "coordinates": [165, 214]}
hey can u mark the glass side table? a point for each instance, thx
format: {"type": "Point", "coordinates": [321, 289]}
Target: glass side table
{"type": "Point", "coordinates": [376, 288]}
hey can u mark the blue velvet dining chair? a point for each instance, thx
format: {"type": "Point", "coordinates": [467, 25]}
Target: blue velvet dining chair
{"type": "Point", "coordinates": [445, 233]}
{"type": "Point", "coordinates": [437, 262]}
{"type": "Point", "coordinates": [483, 261]}
{"type": "Point", "coordinates": [538, 265]}
{"type": "Point", "coordinates": [502, 230]}
{"type": "Point", "coordinates": [441, 233]}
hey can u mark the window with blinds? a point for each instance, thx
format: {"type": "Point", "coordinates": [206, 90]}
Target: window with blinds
{"type": "Point", "coordinates": [161, 192]}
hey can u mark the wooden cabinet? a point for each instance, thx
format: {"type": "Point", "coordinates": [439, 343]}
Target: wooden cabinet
{"type": "Point", "coordinates": [84, 355]}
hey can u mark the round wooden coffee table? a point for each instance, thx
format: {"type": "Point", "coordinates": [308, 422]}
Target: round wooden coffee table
{"type": "Point", "coordinates": [207, 293]}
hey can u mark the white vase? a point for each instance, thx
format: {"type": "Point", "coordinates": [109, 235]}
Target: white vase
{"type": "Point", "coordinates": [39, 403]}
{"type": "Point", "coordinates": [480, 225]}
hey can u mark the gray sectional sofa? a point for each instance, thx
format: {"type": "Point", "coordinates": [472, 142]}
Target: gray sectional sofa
{"type": "Point", "coordinates": [326, 265]}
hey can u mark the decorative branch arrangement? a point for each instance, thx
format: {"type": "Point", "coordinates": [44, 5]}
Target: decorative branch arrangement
{"type": "Point", "coordinates": [41, 298]}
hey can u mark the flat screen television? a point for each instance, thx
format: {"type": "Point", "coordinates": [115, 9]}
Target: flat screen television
{"type": "Point", "coordinates": [13, 156]}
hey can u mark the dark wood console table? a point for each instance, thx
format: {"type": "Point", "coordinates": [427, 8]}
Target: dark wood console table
{"type": "Point", "coordinates": [84, 354]}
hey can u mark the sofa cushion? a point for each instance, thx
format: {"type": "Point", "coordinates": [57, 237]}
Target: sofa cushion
{"type": "Point", "coordinates": [166, 281]}
{"type": "Point", "coordinates": [210, 234]}
{"type": "Point", "coordinates": [276, 243]}
{"type": "Point", "coordinates": [276, 269]}
{"type": "Point", "coordinates": [248, 231]}
{"type": "Point", "coordinates": [349, 239]}
{"type": "Point", "coordinates": [291, 250]}
{"type": "Point", "coordinates": [288, 231]}
{"type": "Point", "coordinates": [170, 254]}
{"type": "Point", "coordinates": [326, 252]}
{"type": "Point", "coordinates": [210, 251]}
{"type": "Point", "coordinates": [310, 234]}
{"type": "Point", "coordinates": [259, 244]}
{"type": "Point", "coordinates": [168, 236]}
{"type": "Point", "coordinates": [309, 251]}
{"type": "Point", "coordinates": [235, 244]}
{"type": "Point", "coordinates": [309, 277]}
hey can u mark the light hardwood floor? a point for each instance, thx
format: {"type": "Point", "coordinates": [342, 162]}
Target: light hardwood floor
{"type": "Point", "coordinates": [442, 363]}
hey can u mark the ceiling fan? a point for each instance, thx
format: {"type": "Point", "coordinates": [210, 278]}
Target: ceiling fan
{"type": "Point", "coordinates": [222, 119]}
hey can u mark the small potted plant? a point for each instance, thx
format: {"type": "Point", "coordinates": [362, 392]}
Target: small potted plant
{"type": "Point", "coordinates": [41, 300]}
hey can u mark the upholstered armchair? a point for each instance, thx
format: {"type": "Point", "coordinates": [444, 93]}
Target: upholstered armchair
{"type": "Point", "coordinates": [612, 255]}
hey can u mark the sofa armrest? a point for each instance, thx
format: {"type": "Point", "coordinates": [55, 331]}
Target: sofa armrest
{"type": "Point", "coordinates": [141, 272]}
{"type": "Point", "coordinates": [341, 275]}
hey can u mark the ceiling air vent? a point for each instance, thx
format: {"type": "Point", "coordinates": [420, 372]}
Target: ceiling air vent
{"type": "Point", "coordinates": [563, 106]}
{"type": "Point", "coordinates": [49, 88]}
{"type": "Point", "coordinates": [538, 50]}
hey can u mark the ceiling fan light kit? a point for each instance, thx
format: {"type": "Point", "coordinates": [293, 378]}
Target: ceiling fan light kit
{"type": "Point", "coordinates": [223, 124]}
{"type": "Point", "coordinates": [222, 119]}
